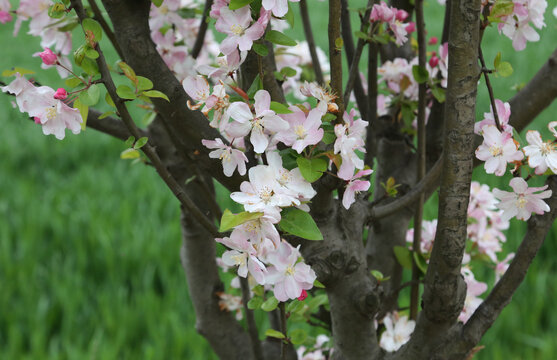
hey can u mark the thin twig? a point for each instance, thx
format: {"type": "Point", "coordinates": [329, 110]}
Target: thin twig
{"type": "Point", "coordinates": [355, 65]}
{"type": "Point", "coordinates": [202, 30]}
{"type": "Point", "coordinates": [149, 151]}
{"type": "Point", "coordinates": [335, 55]}
{"type": "Point", "coordinates": [250, 320]}
{"type": "Point", "coordinates": [489, 90]}
{"type": "Point", "coordinates": [106, 28]}
{"type": "Point", "coordinates": [418, 215]}
{"type": "Point", "coordinates": [311, 42]}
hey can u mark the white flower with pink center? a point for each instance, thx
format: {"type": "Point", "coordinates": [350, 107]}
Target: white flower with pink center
{"type": "Point", "coordinates": [237, 25]}
{"type": "Point", "coordinates": [54, 115]}
{"type": "Point", "coordinates": [263, 193]}
{"type": "Point", "coordinates": [497, 150]}
{"type": "Point", "coordinates": [541, 155]}
{"type": "Point", "coordinates": [231, 158]}
{"type": "Point", "coordinates": [354, 187]}
{"type": "Point", "coordinates": [523, 201]}
{"type": "Point", "coordinates": [261, 125]}
{"type": "Point", "coordinates": [350, 137]}
{"type": "Point", "coordinates": [303, 131]}
{"type": "Point", "coordinates": [397, 331]}
{"type": "Point", "coordinates": [288, 275]}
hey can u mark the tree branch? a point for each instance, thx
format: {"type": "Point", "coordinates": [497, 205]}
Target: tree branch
{"type": "Point", "coordinates": [335, 56]}
{"type": "Point", "coordinates": [198, 45]}
{"type": "Point", "coordinates": [311, 42]}
{"type": "Point", "coordinates": [250, 320]}
{"type": "Point", "coordinates": [106, 28]}
{"type": "Point", "coordinates": [108, 125]}
{"type": "Point", "coordinates": [147, 148]}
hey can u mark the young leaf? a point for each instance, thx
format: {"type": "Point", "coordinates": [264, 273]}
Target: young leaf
{"type": "Point", "coordinates": [72, 82]}
{"type": "Point", "coordinates": [144, 84]}
{"type": "Point", "coordinates": [130, 154]}
{"type": "Point", "coordinates": [270, 304]}
{"type": "Point", "coordinates": [255, 303]}
{"type": "Point", "coordinates": [106, 114]}
{"type": "Point", "coordinates": [83, 110]}
{"type": "Point", "coordinates": [237, 4]}
{"type": "Point", "coordinates": [155, 94]}
{"type": "Point", "coordinates": [157, 3]}
{"type": "Point", "coordinates": [439, 94]}
{"type": "Point", "coordinates": [128, 72]}
{"type": "Point", "coordinates": [140, 142]}
{"type": "Point", "coordinates": [505, 69]}
{"type": "Point", "coordinates": [229, 220]}
{"type": "Point", "coordinates": [288, 71]}
{"type": "Point", "coordinates": [14, 70]}
{"type": "Point", "coordinates": [420, 74]}
{"type": "Point", "coordinates": [311, 169]}
{"type": "Point", "coordinates": [90, 96]}
{"type": "Point", "coordinates": [318, 284]}
{"type": "Point", "coordinates": [420, 262]}
{"type": "Point", "coordinates": [298, 336]}
{"type": "Point", "coordinates": [125, 92]}
{"type": "Point", "coordinates": [279, 38]}
{"type": "Point", "coordinates": [94, 27]}
{"type": "Point", "coordinates": [129, 141]}
{"type": "Point", "coordinates": [300, 223]}
{"type": "Point", "coordinates": [260, 49]}
{"type": "Point", "coordinates": [255, 86]}
{"type": "Point", "coordinates": [280, 108]}
{"type": "Point", "coordinates": [404, 256]}
{"type": "Point", "coordinates": [497, 60]}
{"type": "Point", "coordinates": [274, 334]}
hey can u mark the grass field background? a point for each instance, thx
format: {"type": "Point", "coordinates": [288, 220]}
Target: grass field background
{"type": "Point", "coordinates": [89, 244]}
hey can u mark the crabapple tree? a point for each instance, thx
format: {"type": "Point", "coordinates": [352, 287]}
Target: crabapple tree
{"type": "Point", "coordinates": [298, 136]}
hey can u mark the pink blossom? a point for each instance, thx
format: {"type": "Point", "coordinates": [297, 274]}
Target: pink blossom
{"type": "Point", "coordinates": [429, 228]}
{"type": "Point", "coordinates": [397, 331]}
{"type": "Point", "coordinates": [410, 28]}
{"type": "Point", "coordinates": [382, 12]}
{"type": "Point", "coordinates": [243, 255]}
{"type": "Point", "coordinates": [355, 186]}
{"type": "Point", "coordinates": [503, 113]}
{"type": "Point", "coordinates": [39, 103]}
{"type": "Point", "coordinates": [541, 155]}
{"type": "Point", "coordinates": [5, 15]}
{"type": "Point", "coordinates": [61, 94]}
{"type": "Point", "coordinates": [523, 201]}
{"type": "Point", "coordinates": [326, 100]}
{"type": "Point", "coordinates": [278, 7]}
{"type": "Point", "coordinates": [236, 24]}
{"type": "Point", "coordinates": [215, 8]}
{"type": "Point", "coordinates": [497, 150]}
{"type": "Point", "coordinates": [501, 267]}
{"type": "Point", "coordinates": [434, 60]}
{"type": "Point", "coordinates": [433, 40]}
{"type": "Point", "coordinates": [288, 275]}
{"type": "Point", "coordinates": [350, 137]}
{"type": "Point", "coordinates": [401, 15]}
{"type": "Point", "coordinates": [231, 158]}
{"type": "Point", "coordinates": [48, 57]}
{"type": "Point", "coordinates": [264, 122]}
{"type": "Point", "coordinates": [231, 303]}
{"type": "Point", "coordinates": [303, 131]}
{"type": "Point", "coordinates": [474, 289]}
{"type": "Point", "coordinates": [516, 26]}
{"type": "Point", "coordinates": [303, 296]}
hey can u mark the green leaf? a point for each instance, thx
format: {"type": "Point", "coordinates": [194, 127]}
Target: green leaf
{"type": "Point", "coordinates": [297, 222]}
{"type": "Point", "coordinates": [328, 117]}
{"type": "Point", "coordinates": [505, 69]}
{"type": "Point", "coordinates": [73, 82]}
{"type": "Point", "coordinates": [362, 35]}
{"type": "Point", "coordinates": [229, 220]}
{"type": "Point", "coordinates": [57, 11]}
{"type": "Point", "coordinates": [270, 304]}
{"type": "Point", "coordinates": [155, 94]}
{"type": "Point", "coordinates": [289, 17]}
{"type": "Point", "coordinates": [128, 72]}
{"type": "Point", "coordinates": [403, 256]}
{"type": "Point", "coordinates": [280, 108]}
{"type": "Point", "coordinates": [237, 4]}
{"type": "Point", "coordinates": [317, 301]}
{"type": "Point", "coordinates": [129, 141]}
{"type": "Point", "coordinates": [329, 137]}
{"type": "Point", "coordinates": [260, 49]}
{"type": "Point", "coordinates": [497, 60]}
{"type": "Point", "coordinates": [339, 43]}
{"type": "Point", "coordinates": [298, 336]}
{"type": "Point", "coordinates": [421, 75]}
{"type": "Point", "coordinates": [106, 114]}
{"type": "Point", "coordinates": [89, 66]}
{"type": "Point", "coordinates": [130, 154]}
{"type": "Point", "coordinates": [439, 94]}
{"type": "Point", "coordinates": [288, 71]}
{"type": "Point", "coordinates": [91, 54]}
{"type": "Point", "coordinates": [279, 38]}
{"type": "Point", "coordinates": [94, 27]}
{"type": "Point", "coordinates": [90, 96]}
{"type": "Point", "coordinates": [83, 110]}
{"type": "Point", "coordinates": [274, 334]}
{"type": "Point", "coordinates": [140, 142]}
{"type": "Point", "coordinates": [295, 306]}
{"type": "Point", "coordinates": [14, 70]}
{"type": "Point", "coordinates": [255, 303]}
{"type": "Point", "coordinates": [157, 3]}
{"type": "Point", "coordinates": [143, 83]}
{"type": "Point", "coordinates": [501, 8]}
{"type": "Point", "coordinates": [420, 262]}
{"type": "Point", "coordinates": [79, 54]}
{"type": "Point", "coordinates": [318, 284]}
{"type": "Point", "coordinates": [312, 169]}
{"type": "Point", "coordinates": [255, 86]}
{"type": "Point", "coordinates": [109, 100]}
{"type": "Point", "coordinates": [379, 275]}
{"type": "Point", "coordinates": [125, 92]}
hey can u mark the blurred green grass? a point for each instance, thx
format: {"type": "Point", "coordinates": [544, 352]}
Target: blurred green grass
{"type": "Point", "coordinates": [89, 244]}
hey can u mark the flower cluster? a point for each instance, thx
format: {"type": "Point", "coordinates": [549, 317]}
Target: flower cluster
{"type": "Point", "coordinates": [397, 331]}
{"type": "Point", "coordinates": [394, 18]}
{"type": "Point", "coordinates": [516, 25]}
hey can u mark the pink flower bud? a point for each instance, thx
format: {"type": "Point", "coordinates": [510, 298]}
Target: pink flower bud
{"type": "Point", "coordinates": [37, 120]}
{"type": "Point", "coordinates": [401, 15]}
{"type": "Point", "coordinates": [48, 57]}
{"type": "Point", "coordinates": [61, 94]}
{"type": "Point", "coordinates": [303, 296]}
{"type": "Point", "coordinates": [411, 27]}
{"type": "Point", "coordinates": [432, 41]}
{"type": "Point", "coordinates": [5, 17]}
{"type": "Point", "coordinates": [433, 61]}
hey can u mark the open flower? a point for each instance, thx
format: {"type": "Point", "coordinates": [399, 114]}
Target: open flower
{"type": "Point", "coordinates": [303, 130]}
{"type": "Point", "coordinates": [231, 158]}
{"type": "Point", "coordinates": [541, 155]}
{"type": "Point", "coordinates": [355, 186]}
{"type": "Point", "coordinates": [397, 331]}
{"type": "Point", "coordinates": [236, 24]}
{"type": "Point", "coordinates": [523, 201]}
{"type": "Point", "coordinates": [349, 139]}
{"type": "Point", "coordinates": [497, 150]}
{"type": "Point", "coordinates": [260, 124]}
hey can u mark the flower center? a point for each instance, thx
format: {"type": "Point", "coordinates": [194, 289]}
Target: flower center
{"type": "Point", "coordinates": [521, 201]}
{"type": "Point", "coordinates": [239, 259]}
{"type": "Point", "coordinates": [50, 113]}
{"type": "Point", "coordinates": [546, 148]}
{"type": "Point", "coordinates": [237, 30]}
{"type": "Point", "coordinates": [225, 155]}
{"type": "Point", "coordinates": [289, 271]}
{"type": "Point", "coordinates": [300, 131]}
{"type": "Point", "coordinates": [495, 150]}
{"type": "Point", "coordinates": [284, 178]}
{"type": "Point", "coordinates": [265, 194]}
